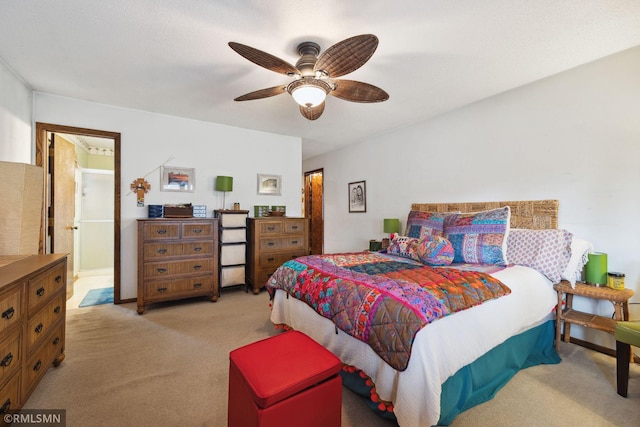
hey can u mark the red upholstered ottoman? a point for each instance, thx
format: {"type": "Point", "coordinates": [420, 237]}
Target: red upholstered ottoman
{"type": "Point", "coordinates": [284, 380]}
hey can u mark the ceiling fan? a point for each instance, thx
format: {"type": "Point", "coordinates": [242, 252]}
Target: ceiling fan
{"type": "Point", "coordinates": [315, 76]}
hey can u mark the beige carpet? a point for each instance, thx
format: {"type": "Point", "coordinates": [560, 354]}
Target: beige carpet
{"type": "Point", "coordinates": [169, 367]}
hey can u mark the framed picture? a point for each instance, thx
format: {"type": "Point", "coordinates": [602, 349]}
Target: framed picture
{"type": "Point", "coordinates": [173, 178]}
{"type": "Point", "coordinates": [269, 184]}
{"type": "Point", "coordinates": [357, 196]}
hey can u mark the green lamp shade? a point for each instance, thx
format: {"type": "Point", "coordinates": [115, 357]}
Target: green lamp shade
{"type": "Point", "coordinates": [224, 183]}
{"type": "Point", "coordinates": [391, 225]}
{"type": "Point", "coordinates": [595, 271]}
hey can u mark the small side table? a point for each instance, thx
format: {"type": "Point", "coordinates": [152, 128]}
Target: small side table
{"type": "Point", "coordinates": [619, 299]}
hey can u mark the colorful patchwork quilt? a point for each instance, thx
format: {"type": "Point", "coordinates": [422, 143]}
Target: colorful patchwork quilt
{"type": "Point", "coordinates": [381, 299]}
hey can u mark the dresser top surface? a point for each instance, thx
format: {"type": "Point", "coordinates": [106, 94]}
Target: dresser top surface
{"type": "Point", "coordinates": [26, 265]}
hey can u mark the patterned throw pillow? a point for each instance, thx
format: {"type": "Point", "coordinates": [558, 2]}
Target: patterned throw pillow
{"type": "Point", "coordinates": [434, 250]}
{"type": "Point", "coordinates": [403, 246]}
{"type": "Point", "coordinates": [420, 224]}
{"type": "Point", "coordinates": [479, 237]}
{"type": "Point", "coordinates": [547, 251]}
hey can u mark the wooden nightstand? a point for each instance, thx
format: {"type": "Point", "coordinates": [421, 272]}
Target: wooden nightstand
{"type": "Point", "coordinates": [619, 299]}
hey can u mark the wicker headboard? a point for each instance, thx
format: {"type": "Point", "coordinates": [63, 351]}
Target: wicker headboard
{"type": "Point", "coordinates": [532, 214]}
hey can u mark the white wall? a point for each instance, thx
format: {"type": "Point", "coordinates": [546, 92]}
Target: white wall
{"type": "Point", "coordinates": [574, 137]}
{"type": "Point", "coordinates": [149, 139]}
{"type": "Point", "coordinates": [15, 118]}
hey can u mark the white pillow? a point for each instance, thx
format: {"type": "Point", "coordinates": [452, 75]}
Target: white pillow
{"type": "Point", "coordinates": [580, 250]}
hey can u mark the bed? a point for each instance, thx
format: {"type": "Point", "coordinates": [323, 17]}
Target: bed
{"type": "Point", "coordinates": [457, 355]}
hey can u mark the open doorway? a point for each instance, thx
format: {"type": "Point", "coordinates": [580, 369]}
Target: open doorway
{"type": "Point", "coordinates": [314, 209]}
{"type": "Point", "coordinates": [87, 222]}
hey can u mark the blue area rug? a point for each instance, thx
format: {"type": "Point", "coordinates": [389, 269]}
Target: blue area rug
{"type": "Point", "coordinates": [97, 297]}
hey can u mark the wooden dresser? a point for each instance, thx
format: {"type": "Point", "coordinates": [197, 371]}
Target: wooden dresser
{"type": "Point", "coordinates": [271, 242]}
{"type": "Point", "coordinates": [32, 327]}
{"type": "Point", "coordinates": [177, 258]}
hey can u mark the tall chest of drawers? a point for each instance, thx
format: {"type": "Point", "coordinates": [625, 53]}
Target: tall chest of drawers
{"type": "Point", "coordinates": [232, 240]}
{"type": "Point", "coordinates": [177, 258]}
{"type": "Point", "coordinates": [32, 323]}
{"type": "Point", "coordinates": [273, 241]}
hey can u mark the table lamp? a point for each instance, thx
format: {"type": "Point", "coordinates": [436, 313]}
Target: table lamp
{"type": "Point", "coordinates": [224, 184]}
{"type": "Point", "coordinates": [391, 226]}
{"type": "Point", "coordinates": [595, 271]}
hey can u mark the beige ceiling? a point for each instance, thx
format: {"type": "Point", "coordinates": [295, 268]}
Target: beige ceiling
{"type": "Point", "coordinates": [172, 57]}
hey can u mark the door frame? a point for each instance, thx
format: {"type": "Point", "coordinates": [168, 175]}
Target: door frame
{"type": "Point", "coordinates": [40, 160]}
{"type": "Point", "coordinates": [313, 222]}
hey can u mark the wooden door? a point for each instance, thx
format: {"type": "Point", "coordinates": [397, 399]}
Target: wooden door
{"type": "Point", "coordinates": [313, 209]}
{"type": "Point", "coordinates": [62, 165]}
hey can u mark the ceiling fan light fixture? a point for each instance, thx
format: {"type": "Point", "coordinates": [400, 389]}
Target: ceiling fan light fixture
{"type": "Point", "coordinates": [309, 92]}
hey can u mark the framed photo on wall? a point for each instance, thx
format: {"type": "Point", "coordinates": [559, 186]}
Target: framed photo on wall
{"type": "Point", "coordinates": [269, 184]}
{"type": "Point", "coordinates": [357, 196]}
{"type": "Point", "coordinates": [174, 178]}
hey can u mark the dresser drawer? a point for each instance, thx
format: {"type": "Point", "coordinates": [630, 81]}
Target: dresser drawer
{"type": "Point", "coordinates": [10, 395]}
{"type": "Point", "coordinates": [197, 230]}
{"type": "Point", "coordinates": [162, 250]}
{"type": "Point", "coordinates": [270, 227]}
{"type": "Point", "coordinates": [295, 226]}
{"type": "Point", "coordinates": [272, 260]}
{"type": "Point", "coordinates": [43, 321]}
{"type": "Point", "coordinates": [293, 242]}
{"type": "Point", "coordinates": [40, 361]}
{"type": "Point", "coordinates": [43, 286]}
{"type": "Point", "coordinates": [163, 230]}
{"type": "Point", "coordinates": [10, 355]}
{"type": "Point", "coordinates": [11, 308]}
{"type": "Point", "coordinates": [166, 289]}
{"type": "Point", "coordinates": [270, 244]}
{"type": "Point", "coordinates": [172, 268]}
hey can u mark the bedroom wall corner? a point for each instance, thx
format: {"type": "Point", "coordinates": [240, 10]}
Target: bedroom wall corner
{"type": "Point", "coordinates": [16, 111]}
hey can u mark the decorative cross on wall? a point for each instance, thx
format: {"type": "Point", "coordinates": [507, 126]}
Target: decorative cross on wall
{"type": "Point", "coordinates": [140, 186]}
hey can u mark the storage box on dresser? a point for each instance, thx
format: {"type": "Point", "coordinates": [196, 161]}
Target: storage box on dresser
{"type": "Point", "coordinates": [32, 324]}
{"type": "Point", "coordinates": [273, 241]}
{"type": "Point", "coordinates": [177, 258]}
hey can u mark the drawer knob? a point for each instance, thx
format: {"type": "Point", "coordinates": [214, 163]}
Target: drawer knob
{"type": "Point", "coordinates": [161, 270]}
{"type": "Point", "coordinates": [57, 309]}
{"type": "Point", "coordinates": [294, 227]}
{"type": "Point", "coordinates": [56, 340]}
{"type": "Point", "coordinates": [271, 259]}
{"type": "Point", "coordinates": [162, 231]}
{"type": "Point", "coordinates": [161, 290]}
{"type": "Point", "coordinates": [198, 249]}
{"type": "Point", "coordinates": [294, 242]}
{"type": "Point", "coordinates": [197, 267]}
{"type": "Point", "coordinates": [5, 406]}
{"type": "Point", "coordinates": [38, 328]}
{"type": "Point", "coordinates": [58, 279]}
{"type": "Point", "coordinates": [162, 251]}
{"type": "Point", "coordinates": [37, 366]}
{"type": "Point", "coordinates": [197, 285]}
{"type": "Point", "coordinates": [197, 230]}
{"type": "Point", "coordinates": [6, 361]}
{"type": "Point", "coordinates": [271, 228]}
{"type": "Point", "coordinates": [40, 292]}
{"type": "Point", "coordinates": [8, 313]}
{"type": "Point", "coordinates": [270, 244]}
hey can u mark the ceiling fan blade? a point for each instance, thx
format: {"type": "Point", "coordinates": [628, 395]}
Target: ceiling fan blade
{"type": "Point", "coordinates": [347, 56]}
{"type": "Point", "coordinates": [264, 59]}
{"type": "Point", "coordinates": [353, 91]}
{"type": "Point", "coordinates": [313, 112]}
{"type": "Point", "coordinates": [262, 93]}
